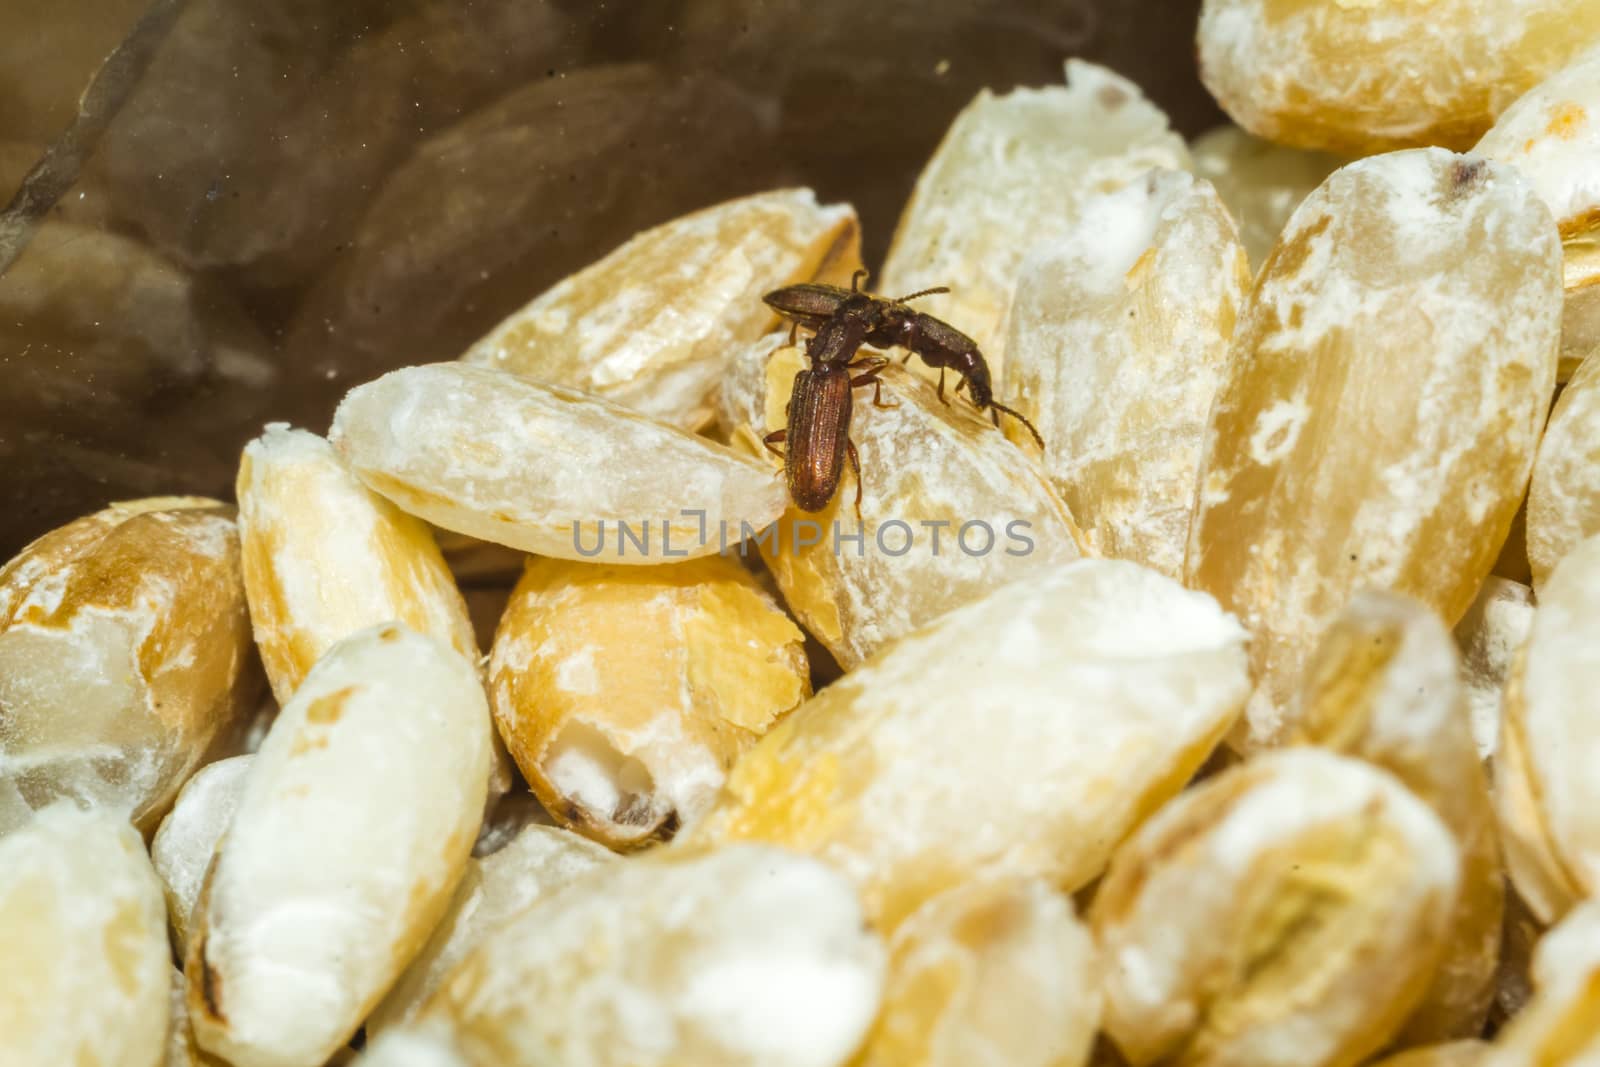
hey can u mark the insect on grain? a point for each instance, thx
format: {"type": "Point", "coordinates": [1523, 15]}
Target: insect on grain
{"type": "Point", "coordinates": [818, 429]}
{"type": "Point", "coordinates": [890, 322]}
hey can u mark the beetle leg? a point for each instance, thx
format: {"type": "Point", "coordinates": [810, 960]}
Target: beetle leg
{"type": "Point", "coordinates": [855, 465]}
{"type": "Point", "coordinates": [773, 438]}
{"type": "Point", "coordinates": [861, 274]}
{"type": "Point", "coordinates": [942, 400]}
{"type": "Point", "coordinates": [794, 330]}
{"type": "Point", "coordinates": [875, 365]}
{"type": "Point", "coordinates": [877, 390]}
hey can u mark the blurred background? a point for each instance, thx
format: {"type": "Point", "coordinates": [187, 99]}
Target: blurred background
{"type": "Point", "coordinates": [273, 200]}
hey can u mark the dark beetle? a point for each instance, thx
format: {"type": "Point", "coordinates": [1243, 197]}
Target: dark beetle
{"type": "Point", "coordinates": [889, 323]}
{"type": "Point", "coordinates": [818, 430]}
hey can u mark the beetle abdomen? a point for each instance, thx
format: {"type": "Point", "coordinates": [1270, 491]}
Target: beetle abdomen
{"type": "Point", "coordinates": [819, 427]}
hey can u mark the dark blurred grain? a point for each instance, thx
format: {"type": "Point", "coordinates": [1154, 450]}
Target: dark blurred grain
{"type": "Point", "coordinates": [60, 164]}
{"type": "Point", "coordinates": [48, 50]}
{"type": "Point", "coordinates": [522, 192]}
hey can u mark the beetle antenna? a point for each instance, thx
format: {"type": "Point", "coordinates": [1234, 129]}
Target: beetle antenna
{"type": "Point", "coordinates": [921, 292]}
{"type": "Point", "coordinates": [861, 275]}
{"type": "Point", "coordinates": [1020, 418]}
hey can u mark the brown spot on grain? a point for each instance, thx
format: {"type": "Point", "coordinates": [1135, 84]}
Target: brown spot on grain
{"type": "Point", "coordinates": [1567, 120]}
{"type": "Point", "coordinates": [998, 918]}
{"type": "Point", "coordinates": [1112, 97]}
{"type": "Point", "coordinates": [669, 826]}
{"type": "Point", "coordinates": [210, 986]}
{"type": "Point", "coordinates": [1467, 174]}
{"type": "Point", "coordinates": [325, 710]}
{"type": "Point", "coordinates": [304, 742]}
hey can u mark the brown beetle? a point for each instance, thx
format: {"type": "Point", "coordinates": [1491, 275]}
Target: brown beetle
{"type": "Point", "coordinates": [818, 429]}
{"type": "Point", "coordinates": [890, 322]}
